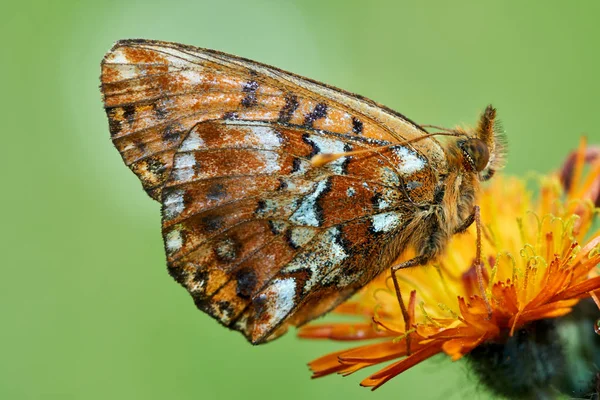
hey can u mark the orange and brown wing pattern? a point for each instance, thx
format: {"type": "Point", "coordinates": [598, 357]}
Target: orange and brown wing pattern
{"type": "Point", "coordinates": [259, 237]}
{"type": "Point", "coordinates": [155, 92]}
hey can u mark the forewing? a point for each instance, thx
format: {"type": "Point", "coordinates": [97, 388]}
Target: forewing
{"type": "Point", "coordinates": [262, 240]}
{"type": "Point", "coordinates": [155, 92]}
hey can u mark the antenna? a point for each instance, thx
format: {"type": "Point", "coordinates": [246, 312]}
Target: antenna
{"type": "Point", "coordinates": [319, 160]}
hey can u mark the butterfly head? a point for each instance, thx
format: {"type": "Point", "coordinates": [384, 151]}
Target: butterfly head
{"type": "Point", "coordinates": [484, 149]}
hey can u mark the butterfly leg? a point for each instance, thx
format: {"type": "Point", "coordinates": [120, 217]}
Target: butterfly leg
{"type": "Point", "coordinates": [419, 260]}
{"type": "Point", "coordinates": [467, 222]}
{"type": "Point", "coordinates": [478, 262]}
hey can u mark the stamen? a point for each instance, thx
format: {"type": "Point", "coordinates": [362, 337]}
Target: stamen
{"type": "Point", "coordinates": [479, 266]}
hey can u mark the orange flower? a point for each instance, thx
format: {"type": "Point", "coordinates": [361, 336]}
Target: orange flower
{"type": "Point", "coordinates": [539, 261]}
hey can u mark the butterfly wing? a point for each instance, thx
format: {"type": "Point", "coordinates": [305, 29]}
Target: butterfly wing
{"type": "Point", "coordinates": [260, 238]}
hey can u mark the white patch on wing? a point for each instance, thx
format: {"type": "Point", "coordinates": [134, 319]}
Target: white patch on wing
{"type": "Point", "coordinates": [386, 222]}
{"type": "Point", "coordinates": [301, 235]}
{"type": "Point", "coordinates": [329, 146]}
{"type": "Point", "coordinates": [306, 214]}
{"type": "Point", "coordinates": [345, 279]}
{"type": "Point", "coordinates": [184, 167]}
{"type": "Point", "coordinates": [192, 76]}
{"type": "Point", "coordinates": [185, 161]}
{"type": "Point", "coordinates": [266, 136]}
{"type": "Point", "coordinates": [192, 142]}
{"type": "Point", "coordinates": [173, 204]}
{"type": "Point", "coordinates": [325, 255]}
{"type": "Point", "coordinates": [290, 184]}
{"type": "Point", "coordinates": [278, 226]}
{"type": "Point", "coordinates": [411, 162]}
{"type": "Point", "coordinates": [261, 136]}
{"type": "Point", "coordinates": [350, 192]}
{"type": "Point", "coordinates": [386, 198]}
{"type": "Point", "coordinates": [174, 241]}
{"type": "Point", "coordinates": [277, 207]}
{"type": "Point", "coordinates": [128, 146]}
{"type": "Point", "coordinates": [382, 204]}
{"type": "Point", "coordinates": [389, 177]}
{"type": "Point", "coordinates": [117, 57]}
{"type": "Point", "coordinates": [184, 175]}
{"type": "Point", "coordinates": [271, 160]}
{"type": "Point", "coordinates": [278, 300]}
{"type": "Point", "coordinates": [129, 72]}
{"type": "Point", "coordinates": [256, 134]}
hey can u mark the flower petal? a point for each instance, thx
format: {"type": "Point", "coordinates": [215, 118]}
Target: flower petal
{"type": "Point", "coordinates": [577, 290]}
{"type": "Point", "coordinates": [456, 348]}
{"type": "Point", "coordinates": [341, 331]}
{"type": "Point", "coordinates": [382, 376]}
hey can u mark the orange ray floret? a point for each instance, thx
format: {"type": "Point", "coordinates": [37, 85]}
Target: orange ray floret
{"type": "Point", "coordinates": [540, 259]}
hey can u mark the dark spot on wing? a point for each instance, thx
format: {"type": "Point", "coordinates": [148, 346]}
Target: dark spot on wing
{"type": "Point", "coordinates": [172, 132]}
{"type": "Point", "coordinates": [227, 249]}
{"type": "Point", "coordinates": [376, 200]}
{"type": "Point", "coordinates": [296, 164]}
{"type": "Point", "coordinates": [178, 273]}
{"type": "Point", "coordinates": [259, 303]}
{"type": "Point", "coordinates": [114, 125]}
{"type": "Point", "coordinates": [314, 149]}
{"type": "Point", "coordinates": [250, 99]}
{"type": "Point", "coordinates": [289, 240]}
{"type": "Point", "coordinates": [141, 146]}
{"type": "Point", "coordinates": [282, 184]}
{"type": "Point", "coordinates": [201, 275]}
{"type": "Point", "coordinates": [287, 111]}
{"type": "Point", "coordinates": [276, 227]}
{"type": "Point", "coordinates": [216, 191]}
{"type": "Point", "coordinates": [129, 113]}
{"type": "Point", "coordinates": [225, 308]}
{"type": "Point", "coordinates": [230, 115]}
{"type": "Point", "coordinates": [357, 126]}
{"type": "Point", "coordinates": [159, 111]}
{"type": "Point", "coordinates": [319, 212]}
{"type": "Point", "coordinates": [250, 86]}
{"type": "Point", "coordinates": [320, 111]}
{"type": "Point", "coordinates": [156, 166]}
{"type": "Point", "coordinates": [346, 160]}
{"type": "Point", "coordinates": [260, 207]}
{"type": "Point", "coordinates": [246, 282]}
{"type": "Point", "coordinates": [211, 223]}
{"type": "Point", "coordinates": [344, 243]}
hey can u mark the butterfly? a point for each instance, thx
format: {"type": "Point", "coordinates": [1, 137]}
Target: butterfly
{"type": "Point", "coordinates": [261, 234]}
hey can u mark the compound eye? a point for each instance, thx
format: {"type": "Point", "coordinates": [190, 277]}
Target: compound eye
{"type": "Point", "coordinates": [476, 153]}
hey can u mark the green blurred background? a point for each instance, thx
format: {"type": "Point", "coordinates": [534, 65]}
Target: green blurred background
{"type": "Point", "coordinates": [88, 310]}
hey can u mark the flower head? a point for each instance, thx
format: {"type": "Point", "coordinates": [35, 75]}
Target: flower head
{"type": "Point", "coordinates": [539, 261]}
